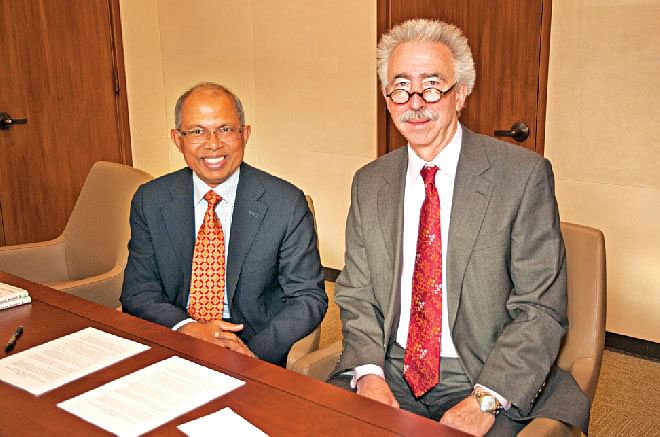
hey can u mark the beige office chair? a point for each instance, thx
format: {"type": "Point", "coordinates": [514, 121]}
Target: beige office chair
{"type": "Point", "coordinates": [317, 354]}
{"type": "Point", "coordinates": [88, 259]}
{"type": "Point", "coordinates": [311, 342]}
{"type": "Point", "coordinates": [582, 350]}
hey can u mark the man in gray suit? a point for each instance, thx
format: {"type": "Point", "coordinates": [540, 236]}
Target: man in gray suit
{"type": "Point", "coordinates": [499, 263]}
{"type": "Point", "coordinates": [273, 282]}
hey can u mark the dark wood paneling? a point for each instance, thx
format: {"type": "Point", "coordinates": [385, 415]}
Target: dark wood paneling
{"type": "Point", "coordinates": [510, 45]}
{"type": "Point", "coordinates": [121, 98]}
{"type": "Point", "coordinates": [60, 58]}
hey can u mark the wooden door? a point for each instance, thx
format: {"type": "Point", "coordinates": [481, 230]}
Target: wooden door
{"type": "Point", "coordinates": [510, 43]}
{"type": "Point", "coordinates": [61, 64]}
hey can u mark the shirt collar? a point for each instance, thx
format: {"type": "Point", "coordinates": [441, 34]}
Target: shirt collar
{"type": "Point", "coordinates": [226, 190]}
{"type": "Point", "coordinates": [447, 159]}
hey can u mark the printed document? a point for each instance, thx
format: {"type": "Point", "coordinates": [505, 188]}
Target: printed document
{"type": "Point", "coordinates": [226, 420]}
{"type": "Point", "coordinates": [60, 361]}
{"type": "Point", "coordinates": [149, 397]}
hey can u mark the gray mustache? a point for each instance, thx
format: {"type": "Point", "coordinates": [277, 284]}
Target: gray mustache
{"type": "Point", "coordinates": [420, 114]}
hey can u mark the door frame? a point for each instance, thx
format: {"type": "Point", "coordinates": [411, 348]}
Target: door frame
{"type": "Point", "coordinates": [121, 98]}
{"type": "Point", "coordinates": [384, 23]}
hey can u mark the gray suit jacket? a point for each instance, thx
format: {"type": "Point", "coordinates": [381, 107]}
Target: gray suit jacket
{"type": "Point", "coordinates": [506, 277]}
{"type": "Point", "coordinates": [274, 278]}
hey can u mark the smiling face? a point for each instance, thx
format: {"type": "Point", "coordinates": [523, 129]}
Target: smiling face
{"type": "Point", "coordinates": [214, 160]}
{"type": "Point", "coordinates": [414, 66]}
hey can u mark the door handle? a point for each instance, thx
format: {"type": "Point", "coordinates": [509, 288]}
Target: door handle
{"type": "Point", "coordinates": [6, 121]}
{"type": "Point", "coordinates": [519, 132]}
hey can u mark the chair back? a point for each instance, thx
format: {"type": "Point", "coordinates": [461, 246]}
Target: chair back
{"type": "Point", "coordinates": [310, 204]}
{"type": "Point", "coordinates": [311, 342]}
{"type": "Point", "coordinates": [97, 233]}
{"type": "Point", "coordinates": [582, 350]}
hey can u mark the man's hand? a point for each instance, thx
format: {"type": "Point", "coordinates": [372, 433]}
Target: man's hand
{"type": "Point", "coordinates": [227, 338]}
{"type": "Point", "coordinates": [376, 388]}
{"type": "Point", "coordinates": [220, 333]}
{"type": "Point", "coordinates": [467, 417]}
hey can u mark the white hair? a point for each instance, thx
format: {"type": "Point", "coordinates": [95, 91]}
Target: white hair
{"type": "Point", "coordinates": [428, 31]}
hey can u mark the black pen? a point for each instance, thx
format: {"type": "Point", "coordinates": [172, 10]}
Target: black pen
{"type": "Point", "coordinates": [12, 340]}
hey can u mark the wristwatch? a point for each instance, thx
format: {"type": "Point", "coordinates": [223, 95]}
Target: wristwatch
{"type": "Point", "coordinates": [487, 402]}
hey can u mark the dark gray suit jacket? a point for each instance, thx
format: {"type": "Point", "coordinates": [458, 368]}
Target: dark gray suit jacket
{"type": "Point", "coordinates": [274, 278]}
{"type": "Point", "coordinates": [506, 277]}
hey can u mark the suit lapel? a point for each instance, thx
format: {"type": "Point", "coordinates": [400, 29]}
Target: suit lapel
{"type": "Point", "coordinates": [246, 221]}
{"type": "Point", "coordinates": [390, 203]}
{"type": "Point", "coordinates": [390, 219]}
{"type": "Point", "coordinates": [179, 216]}
{"type": "Point", "coordinates": [473, 187]}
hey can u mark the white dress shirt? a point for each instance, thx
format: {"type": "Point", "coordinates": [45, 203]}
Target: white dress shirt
{"type": "Point", "coordinates": [414, 195]}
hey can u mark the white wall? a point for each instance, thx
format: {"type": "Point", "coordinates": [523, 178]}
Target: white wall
{"type": "Point", "coordinates": [145, 86]}
{"type": "Point", "coordinates": [303, 70]}
{"type": "Point", "coordinates": [603, 138]}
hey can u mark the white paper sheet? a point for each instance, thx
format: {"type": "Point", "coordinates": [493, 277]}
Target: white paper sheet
{"type": "Point", "coordinates": [223, 422]}
{"type": "Point", "coordinates": [57, 362]}
{"type": "Point", "coordinates": [151, 396]}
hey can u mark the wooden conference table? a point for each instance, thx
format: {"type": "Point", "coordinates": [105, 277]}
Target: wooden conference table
{"type": "Point", "coordinates": [279, 402]}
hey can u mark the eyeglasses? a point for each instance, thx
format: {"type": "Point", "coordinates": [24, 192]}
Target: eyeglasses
{"type": "Point", "coordinates": [201, 135]}
{"type": "Point", "coordinates": [430, 95]}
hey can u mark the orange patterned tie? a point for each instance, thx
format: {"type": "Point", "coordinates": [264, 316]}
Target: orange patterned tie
{"type": "Point", "coordinates": [421, 362]}
{"type": "Point", "coordinates": [207, 283]}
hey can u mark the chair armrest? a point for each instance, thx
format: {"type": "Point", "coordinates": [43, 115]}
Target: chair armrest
{"type": "Point", "coordinates": [47, 256]}
{"type": "Point", "coordinates": [320, 363]}
{"type": "Point", "coordinates": [303, 346]}
{"type": "Point", "coordinates": [586, 371]}
{"type": "Point", "coordinates": [542, 426]}
{"type": "Point", "coordinates": [103, 289]}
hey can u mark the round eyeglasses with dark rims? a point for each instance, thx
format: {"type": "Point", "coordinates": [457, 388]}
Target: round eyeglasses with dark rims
{"type": "Point", "coordinates": [199, 135]}
{"type": "Point", "coordinates": [430, 95]}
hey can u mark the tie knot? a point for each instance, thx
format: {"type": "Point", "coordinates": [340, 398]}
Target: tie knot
{"type": "Point", "coordinates": [428, 174]}
{"type": "Point", "coordinates": [212, 198]}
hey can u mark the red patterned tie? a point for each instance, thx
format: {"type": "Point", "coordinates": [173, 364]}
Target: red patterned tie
{"type": "Point", "coordinates": [207, 283]}
{"type": "Point", "coordinates": [421, 361]}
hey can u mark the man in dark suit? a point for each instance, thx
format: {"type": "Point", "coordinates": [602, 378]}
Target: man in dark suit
{"type": "Point", "coordinates": [269, 292]}
{"type": "Point", "coordinates": [453, 295]}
